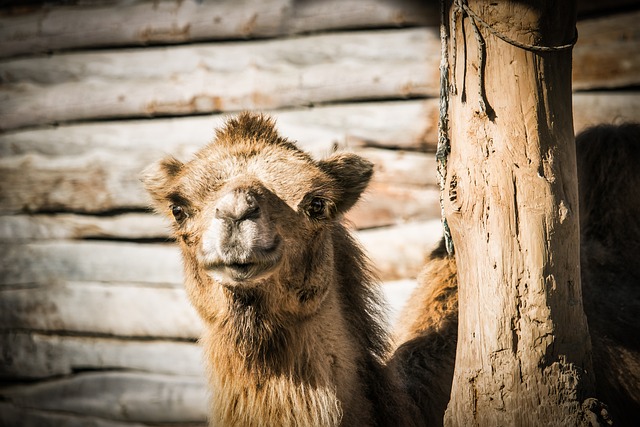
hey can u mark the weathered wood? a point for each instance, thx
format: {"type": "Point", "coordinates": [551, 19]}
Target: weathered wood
{"type": "Point", "coordinates": [17, 228]}
{"type": "Point", "coordinates": [399, 252]}
{"type": "Point", "coordinates": [99, 181]}
{"type": "Point", "coordinates": [49, 262]}
{"type": "Point", "coordinates": [106, 309]}
{"type": "Point", "coordinates": [386, 205]}
{"type": "Point", "coordinates": [592, 108]}
{"type": "Point", "coordinates": [120, 396]}
{"type": "Point", "coordinates": [34, 355]}
{"type": "Point", "coordinates": [15, 415]}
{"type": "Point", "coordinates": [54, 27]}
{"type": "Point", "coordinates": [607, 54]}
{"type": "Point", "coordinates": [269, 74]}
{"type": "Point", "coordinates": [394, 250]}
{"type": "Point", "coordinates": [409, 124]}
{"type": "Point", "coordinates": [523, 352]}
{"type": "Point", "coordinates": [402, 167]}
{"type": "Point", "coordinates": [219, 77]}
{"type": "Point", "coordinates": [103, 181]}
{"type": "Point", "coordinates": [100, 309]}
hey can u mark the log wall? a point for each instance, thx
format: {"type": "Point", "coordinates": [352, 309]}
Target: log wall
{"type": "Point", "coordinates": [95, 328]}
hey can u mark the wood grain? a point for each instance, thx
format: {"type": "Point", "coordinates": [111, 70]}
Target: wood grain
{"type": "Point", "coordinates": [36, 355]}
{"type": "Point", "coordinates": [102, 309]}
{"type": "Point", "coordinates": [54, 27]}
{"type": "Point", "coordinates": [120, 396]}
{"type": "Point", "coordinates": [207, 78]}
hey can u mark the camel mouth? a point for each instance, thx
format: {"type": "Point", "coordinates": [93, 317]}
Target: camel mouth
{"type": "Point", "coordinates": [257, 265]}
{"type": "Point", "coordinates": [245, 271]}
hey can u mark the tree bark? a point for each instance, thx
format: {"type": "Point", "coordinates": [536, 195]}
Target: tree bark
{"type": "Point", "coordinates": [523, 356]}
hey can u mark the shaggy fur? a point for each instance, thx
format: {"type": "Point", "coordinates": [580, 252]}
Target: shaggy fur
{"type": "Point", "coordinates": [290, 306]}
{"type": "Point", "coordinates": [609, 181]}
{"type": "Point", "coordinates": [427, 331]}
{"type": "Point", "coordinates": [608, 158]}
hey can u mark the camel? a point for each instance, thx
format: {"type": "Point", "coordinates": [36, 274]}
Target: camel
{"type": "Point", "coordinates": [609, 192]}
{"type": "Point", "coordinates": [292, 313]}
{"type": "Point", "coordinates": [291, 309]}
{"type": "Point", "coordinates": [609, 184]}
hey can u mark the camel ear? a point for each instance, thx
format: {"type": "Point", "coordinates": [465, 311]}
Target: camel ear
{"type": "Point", "coordinates": [158, 178]}
{"type": "Point", "coordinates": [351, 173]}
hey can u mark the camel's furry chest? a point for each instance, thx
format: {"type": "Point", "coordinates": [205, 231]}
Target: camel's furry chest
{"type": "Point", "coordinates": [276, 401]}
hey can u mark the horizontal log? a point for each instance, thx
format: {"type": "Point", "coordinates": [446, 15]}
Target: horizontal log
{"type": "Point", "coordinates": [409, 124]}
{"type": "Point", "coordinates": [607, 54]}
{"type": "Point", "coordinates": [129, 226]}
{"type": "Point", "coordinates": [97, 308]}
{"type": "Point", "coordinates": [53, 27]}
{"type": "Point", "coordinates": [270, 74]}
{"type": "Point", "coordinates": [219, 77]}
{"type": "Point", "coordinates": [120, 396]}
{"type": "Point", "coordinates": [15, 415]}
{"type": "Point", "coordinates": [50, 262]}
{"type": "Point", "coordinates": [593, 108]}
{"type": "Point", "coordinates": [402, 167]}
{"type": "Point", "coordinates": [98, 181]}
{"type": "Point", "coordinates": [102, 181]}
{"type": "Point", "coordinates": [399, 252]}
{"type": "Point", "coordinates": [345, 49]}
{"type": "Point", "coordinates": [33, 355]}
{"type": "Point", "coordinates": [385, 205]}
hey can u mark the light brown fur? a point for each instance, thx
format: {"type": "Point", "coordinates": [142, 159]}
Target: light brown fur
{"type": "Point", "coordinates": [291, 310]}
{"type": "Point", "coordinates": [427, 331]}
{"type": "Point", "coordinates": [609, 184]}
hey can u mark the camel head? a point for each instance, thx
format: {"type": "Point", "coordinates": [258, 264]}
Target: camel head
{"type": "Point", "coordinates": [252, 212]}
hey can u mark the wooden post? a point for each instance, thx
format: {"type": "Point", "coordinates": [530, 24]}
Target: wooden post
{"type": "Point", "coordinates": [510, 199]}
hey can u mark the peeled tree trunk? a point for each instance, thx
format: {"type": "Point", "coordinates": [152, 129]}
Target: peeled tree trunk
{"type": "Point", "coordinates": [511, 202]}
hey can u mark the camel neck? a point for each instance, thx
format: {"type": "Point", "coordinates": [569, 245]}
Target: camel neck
{"type": "Point", "coordinates": [293, 374]}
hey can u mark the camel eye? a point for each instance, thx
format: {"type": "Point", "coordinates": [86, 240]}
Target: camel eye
{"type": "Point", "coordinates": [317, 207]}
{"type": "Point", "coordinates": [179, 213]}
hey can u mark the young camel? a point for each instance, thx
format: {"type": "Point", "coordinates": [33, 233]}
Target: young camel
{"type": "Point", "coordinates": [290, 306]}
{"type": "Point", "coordinates": [609, 191]}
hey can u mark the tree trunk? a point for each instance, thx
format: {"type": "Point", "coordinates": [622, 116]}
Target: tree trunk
{"type": "Point", "coordinates": [524, 353]}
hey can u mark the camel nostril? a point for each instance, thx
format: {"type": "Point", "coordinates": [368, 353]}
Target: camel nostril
{"type": "Point", "coordinates": [253, 213]}
{"type": "Point", "coordinates": [237, 207]}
